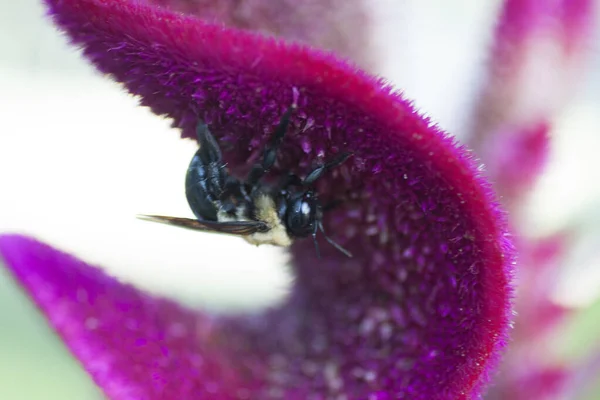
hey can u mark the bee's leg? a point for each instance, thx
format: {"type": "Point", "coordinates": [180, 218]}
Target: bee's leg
{"type": "Point", "coordinates": [209, 151]}
{"type": "Point", "coordinates": [270, 152]}
{"type": "Point", "coordinates": [317, 172]}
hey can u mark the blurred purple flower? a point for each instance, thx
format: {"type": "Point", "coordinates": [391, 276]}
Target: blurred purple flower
{"type": "Point", "coordinates": [423, 309]}
{"type": "Point", "coordinates": [339, 25]}
{"type": "Point", "coordinates": [536, 62]}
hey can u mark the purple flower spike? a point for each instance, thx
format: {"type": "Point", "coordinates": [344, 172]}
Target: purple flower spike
{"type": "Point", "coordinates": [531, 369]}
{"type": "Point", "coordinates": [536, 61]}
{"type": "Point", "coordinates": [539, 49]}
{"type": "Point", "coordinates": [421, 311]}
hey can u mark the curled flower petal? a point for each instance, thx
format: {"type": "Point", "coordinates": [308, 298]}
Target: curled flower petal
{"type": "Point", "coordinates": [421, 310]}
{"type": "Point", "coordinates": [134, 346]}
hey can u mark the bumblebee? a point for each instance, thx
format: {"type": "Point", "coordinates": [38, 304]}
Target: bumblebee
{"type": "Point", "coordinates": [259, 213]}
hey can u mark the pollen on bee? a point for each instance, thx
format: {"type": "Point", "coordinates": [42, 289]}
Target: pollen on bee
{"type": "Point", "coordinates": [277, 234]}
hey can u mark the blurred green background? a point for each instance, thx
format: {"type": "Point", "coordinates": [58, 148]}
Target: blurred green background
{"type": "Point", "coordinates": [91, 190]}
{"type": "Point", "coordinates": [34, 363]}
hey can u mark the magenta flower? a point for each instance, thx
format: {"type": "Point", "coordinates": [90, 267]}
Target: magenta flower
{"type": "Point", "coordinates": [537, 60]}
{"type": "Point", "coordinates": [421, 311]}
{"type": "Point", "coordinates": [537, 56]}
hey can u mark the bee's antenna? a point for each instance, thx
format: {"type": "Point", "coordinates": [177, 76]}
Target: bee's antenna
{"type": "Point", "coordinates": [331, 242]}
{"type": "Point", "coordinates": [270, 152]}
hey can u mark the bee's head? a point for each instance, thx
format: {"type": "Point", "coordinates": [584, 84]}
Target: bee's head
{"type": "Point", "coordinates": [303, 214]}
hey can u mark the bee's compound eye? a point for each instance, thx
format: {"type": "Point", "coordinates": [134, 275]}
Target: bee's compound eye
{"type": "Point", "coordinates": [301, 215]}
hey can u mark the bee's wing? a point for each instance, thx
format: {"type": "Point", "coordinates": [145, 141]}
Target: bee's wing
{"type": "Point", "coordinates": [239, 228]}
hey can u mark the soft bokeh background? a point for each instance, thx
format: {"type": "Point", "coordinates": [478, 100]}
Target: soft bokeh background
{"type": "Point", "coordinates": [79, 159]}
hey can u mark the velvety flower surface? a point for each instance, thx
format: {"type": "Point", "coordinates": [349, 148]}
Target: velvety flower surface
{"type": "Point", "coordinates": [422, 309]}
